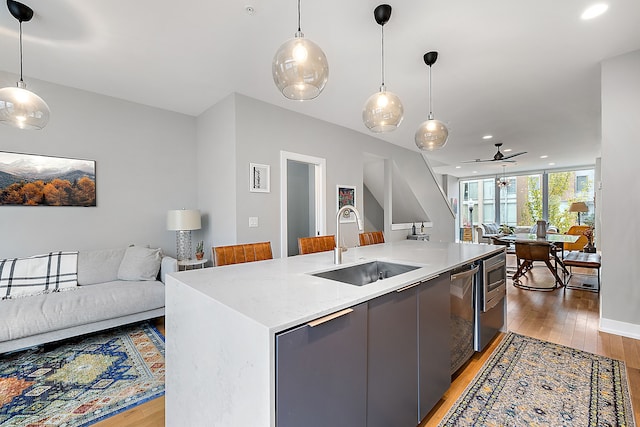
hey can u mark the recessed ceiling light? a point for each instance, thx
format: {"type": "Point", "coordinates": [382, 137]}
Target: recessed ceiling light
{"type": "Point", "coordinates": [487, 137]}
{"type": "Point", "coordinates": [474, 172]}
{"type": "Point", "coordinates": [506, 150]}
{"type": "Point", "coordinates": [594, 11]}
{"type": "Point", "coordinates": [544, 156]}
{"type": "Point", "coordinates": [250, 10]}
{"type": "Point", "coordinates": [458, 167]}
{"type": "Point", "coordinates": [552, 164]}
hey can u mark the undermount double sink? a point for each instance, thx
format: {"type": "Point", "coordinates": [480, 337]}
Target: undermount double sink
{"type": "Point", "coordinates": [363, 274]}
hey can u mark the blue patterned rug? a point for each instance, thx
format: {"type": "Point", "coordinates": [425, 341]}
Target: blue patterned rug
{"type": "Point", "coordinates": [528, 382]}
{"type": "Point", "coordinates": [82, 381]}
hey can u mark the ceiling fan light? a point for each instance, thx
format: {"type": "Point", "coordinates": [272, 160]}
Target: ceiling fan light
{"type": "Point", "coordinates": [300, 68]}
{"type": "Point", "coordinates": [22, 108]}
{"type": "Point", "coordinates": [431, 135]}
{"type": "Point", "coordinates": [383, 112]}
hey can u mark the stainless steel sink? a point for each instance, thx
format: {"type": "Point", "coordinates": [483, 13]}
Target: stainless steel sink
{"type": "Point", "coordinates": [363, 274]}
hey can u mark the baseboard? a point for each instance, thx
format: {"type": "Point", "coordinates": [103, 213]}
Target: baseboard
{"type": "Point", "coordinates": [616, 327]}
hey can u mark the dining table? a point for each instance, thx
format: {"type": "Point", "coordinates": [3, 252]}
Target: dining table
{"type": "Point", "coordinates": [556, 239]}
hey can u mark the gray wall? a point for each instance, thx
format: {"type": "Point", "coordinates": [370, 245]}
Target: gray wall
{"type": "Point", "coordinates": [620, 203]}
{"type": "Point", "coordinates": [144, 166]}
{"type": "Point", "coordinates": [261, 132]}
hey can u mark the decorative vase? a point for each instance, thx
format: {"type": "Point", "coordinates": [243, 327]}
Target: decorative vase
{"type": "Point", "coordinates": [541, 231]}
{"type": "Point", "coordinates": [199, 255]}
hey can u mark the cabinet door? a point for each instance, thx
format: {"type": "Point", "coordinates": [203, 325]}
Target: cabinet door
{"type": "Point", "coordinates": [434, 357]}
{"type": "Point", "coordinates": [393, 371]}
{"type": "Point", "coordinates": [321, 373]}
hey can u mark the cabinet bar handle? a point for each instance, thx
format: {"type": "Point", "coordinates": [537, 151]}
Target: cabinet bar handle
{"type": "Point", "coordinates": [328, 317]}
{"type": "Point", "coordinates": [417, 283]}
{"type": "Point", "coordinates": [464, 274]}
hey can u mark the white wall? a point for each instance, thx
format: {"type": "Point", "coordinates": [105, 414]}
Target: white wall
{"type": "Point", "coordinates": [263, 130]}
{"type": "Point", "coordinates": [620, 245]}
{"type": "Point", "coordinates": [144, 159]}
{"type": "Point", "coordinates": [216, 166]}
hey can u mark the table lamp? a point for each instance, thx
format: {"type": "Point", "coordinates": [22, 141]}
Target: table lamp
{"type": "Point", "coordinates": [578, 207]}
{"type": "Point", "coordinates": [182, 221]}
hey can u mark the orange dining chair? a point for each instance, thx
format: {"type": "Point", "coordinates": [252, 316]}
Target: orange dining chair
{"type": "Point", "coordinates": [371, 238]}
{"type": "Point", "coordinates": [309, 245]}
{"type": "Point", "coordinates": [236, 254]}
{"type": "Point", "coordinates": [577, 230]}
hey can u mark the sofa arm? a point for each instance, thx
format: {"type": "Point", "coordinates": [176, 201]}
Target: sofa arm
{"type": "Point", "coordinates": [168, 265]}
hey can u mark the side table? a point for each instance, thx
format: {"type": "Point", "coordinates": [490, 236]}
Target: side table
{"type": "Point", "coordinates": [190, 264]}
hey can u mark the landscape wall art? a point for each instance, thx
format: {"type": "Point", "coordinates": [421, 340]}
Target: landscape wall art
{"type": "Point", "coordinates": [32, 180]}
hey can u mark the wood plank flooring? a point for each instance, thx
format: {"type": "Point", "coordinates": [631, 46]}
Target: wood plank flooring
{"type": "Point", "coordinates": [565, 317]}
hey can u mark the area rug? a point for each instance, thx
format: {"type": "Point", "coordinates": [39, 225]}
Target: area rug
{"type": "Point", "coordinates": [82, 381]}
{"type": "Point", "coordinates": [528, 382]}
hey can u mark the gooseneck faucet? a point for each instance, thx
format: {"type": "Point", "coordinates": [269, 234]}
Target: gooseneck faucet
{"type": "Point", "coordinates": [337, 251]}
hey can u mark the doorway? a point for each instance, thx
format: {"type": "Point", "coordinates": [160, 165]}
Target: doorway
{"type": "Point", "coordinates": [302, 204]}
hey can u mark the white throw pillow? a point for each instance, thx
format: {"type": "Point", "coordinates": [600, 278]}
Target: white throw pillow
{"type": "Point", "coordinates": [140, 263]}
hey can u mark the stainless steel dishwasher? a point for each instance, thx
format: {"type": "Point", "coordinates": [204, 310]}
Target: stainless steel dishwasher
{"type": "Point", "coordinates": [462, 314]}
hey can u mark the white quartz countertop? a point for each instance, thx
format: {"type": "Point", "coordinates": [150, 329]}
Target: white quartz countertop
{"type": "Point", "coordinates": [281, 293]}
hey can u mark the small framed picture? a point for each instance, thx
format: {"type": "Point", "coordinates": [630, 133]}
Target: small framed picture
{"type": "Point", "coordinates": [259, 178]}
{"type": "Point", "coordinates": [346, 196]}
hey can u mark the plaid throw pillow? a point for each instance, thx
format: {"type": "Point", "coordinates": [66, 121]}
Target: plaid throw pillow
{"type": "Point", "coordinates": [38, 274]}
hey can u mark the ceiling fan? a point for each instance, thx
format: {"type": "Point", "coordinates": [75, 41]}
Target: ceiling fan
{"type": "Point", "coordinates": [498, 157]}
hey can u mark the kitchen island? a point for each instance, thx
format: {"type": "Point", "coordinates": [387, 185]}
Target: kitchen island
{"type": "Point", "coordinates": [223, 324]}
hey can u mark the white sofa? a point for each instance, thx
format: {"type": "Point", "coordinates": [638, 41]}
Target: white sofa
{"type": "Point", "coordinates": [114, 287]}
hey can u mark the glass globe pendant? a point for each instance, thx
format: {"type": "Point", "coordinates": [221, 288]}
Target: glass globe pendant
{"type": "Point", "coordinates": [432, 134]}
{"type": "Point", "coordinates": [300, 68]}
{"type": "Point", "coordinates": [383, 111]}
{"type": "Point", "coordinates": [20, 107]}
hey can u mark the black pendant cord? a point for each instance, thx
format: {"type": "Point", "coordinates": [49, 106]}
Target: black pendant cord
{"type": "Point", "coordinates": [299, 16]}
{"type": "Point", "coordinates": [21, 52]}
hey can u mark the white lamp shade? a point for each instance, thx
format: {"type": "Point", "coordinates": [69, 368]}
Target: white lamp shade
{"type": "Point", "coordinates": [183, 219]}
{"type": "Point", "coordinates": [300, 68]}
{"type": "Point", "coordinates": [383, 112]}
{"type": "Point", "coordinates": [22, 108]}
{"type": "Point", "coordinates": [431, 135]}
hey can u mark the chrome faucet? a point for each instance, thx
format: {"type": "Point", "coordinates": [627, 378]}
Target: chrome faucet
{"type": "Point", "coordinates": [337, 251]}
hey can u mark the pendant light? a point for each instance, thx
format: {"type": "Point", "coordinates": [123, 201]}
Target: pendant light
{"type": "Point", "coordinates": [20, 107]}
{"type": "Point", "coordinates": [502, 182]}
{"type": "Point", "coordinates": [432, 134]}
{"type": "Point", "coordinates": [300, 68]}
{"type": "Point", "coordinates": [383, 111]}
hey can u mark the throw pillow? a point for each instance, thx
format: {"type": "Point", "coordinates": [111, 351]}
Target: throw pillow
{"type": "Point", "coordinates": [38, 274]}
{"type": "Point", "coordinates": [99, 266]}
{"type": "Point", "coordinates": [140, 263]}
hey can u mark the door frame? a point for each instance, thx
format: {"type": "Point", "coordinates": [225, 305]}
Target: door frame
{"type": "Point", "coordinates": [320, 166]}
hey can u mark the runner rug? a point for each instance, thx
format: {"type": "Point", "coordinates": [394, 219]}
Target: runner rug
{"type": "Point", "coordinates": [81, 381]}
{"type": "Point", "coordinates": [528, 382]}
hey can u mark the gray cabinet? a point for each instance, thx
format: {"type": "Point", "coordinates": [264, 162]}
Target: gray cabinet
{"type": "Point", "coordinates": [321, 374]}
{"type": "Point", "coordinates": [409, 353]}
{"type": "Point", "coordinates": [434, 347]}
{"type": "Point", "coordinates": [393, 371]}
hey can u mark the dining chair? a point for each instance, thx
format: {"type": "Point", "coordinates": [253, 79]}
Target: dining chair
{"type": "Point", "coordinates": [309, 245]}
{"type": "Point", "coordinates": [577, 230]}
{"type": "Point", "coordinates": [371, 238]}
{"type": "Point", "coordinates": [236, 254]}
{"type": "Point", "coordinates": [529, 252]}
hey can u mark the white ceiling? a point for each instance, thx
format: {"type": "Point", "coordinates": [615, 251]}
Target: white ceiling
{"type": "Point", "coordinates": [526, 72]}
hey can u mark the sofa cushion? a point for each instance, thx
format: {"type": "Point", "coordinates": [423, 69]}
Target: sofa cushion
{"type": "Point", "coordinates": [38, 274]}
{"type": "Point", "coordinates": [99, 266]}
{"type": "Point", "coordinates": [140, 263]}
{"type": "Point", "coordinates": [87, 304]}
{"type": "Point", "coordinates": [491, 228]}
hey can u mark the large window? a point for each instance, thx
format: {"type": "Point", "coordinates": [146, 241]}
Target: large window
{"type": "Point", "coordinates": [528, 198]}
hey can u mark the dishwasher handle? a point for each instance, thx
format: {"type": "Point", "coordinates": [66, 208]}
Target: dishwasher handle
{"type": "Point", "coordinates": [464, 274]}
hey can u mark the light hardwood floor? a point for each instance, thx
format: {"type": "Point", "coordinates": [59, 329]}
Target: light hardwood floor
{"type": "Point", "coordinates": [565, 317]}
